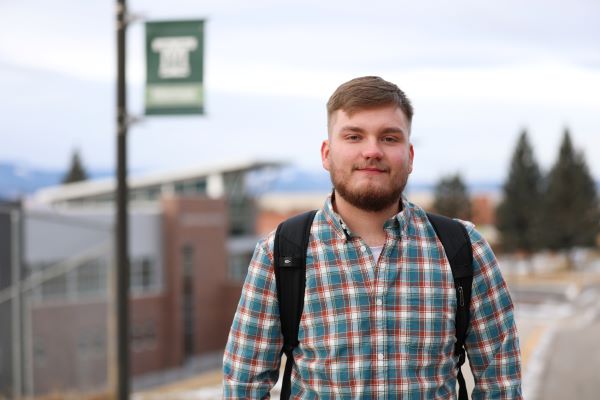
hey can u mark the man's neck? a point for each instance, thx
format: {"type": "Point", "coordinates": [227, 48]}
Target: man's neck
{"type": "Point", "coordinates": [366, 224]}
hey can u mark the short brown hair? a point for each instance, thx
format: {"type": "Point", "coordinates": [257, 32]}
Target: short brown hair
{"type": "Point", "coordinates": [367, 92]}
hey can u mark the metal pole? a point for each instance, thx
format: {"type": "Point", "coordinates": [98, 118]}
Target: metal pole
{"type": "Point", "coordinates": [17, 348]}
{"type": "Point", "coordinates": [28, 338]}
{"type": "Point", "coordinates": [122, 263]}
{"type": "Point", "coordinates": [111, 331]}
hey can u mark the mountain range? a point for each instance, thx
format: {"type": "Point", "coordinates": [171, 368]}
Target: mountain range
{"type": "Point", "coordinates": [18, 180]}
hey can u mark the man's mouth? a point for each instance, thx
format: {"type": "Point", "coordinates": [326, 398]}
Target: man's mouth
{"type": "Point", "coordinates": [371, 169]}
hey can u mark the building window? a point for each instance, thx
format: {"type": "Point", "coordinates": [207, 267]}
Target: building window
{"type": "Point", "coordinates": [153, 193]}
{"type": "Point", "coordinates": [191, 188]}
{"type": "Point", "coordinates": [101, 198]}
{"type": "Point", "coordinates": [200, 186]}
{"type": "Point", "coordinates": [86, 279]}
{"type": "Point", "coordinates": [187, 298]}
{"type": "Point", "coordinates": [91, 344]}
{"type": "Point", "coordinates": [91, 277]}
{"type": "Point", "coordinates": [39, 353]}
{"type": "Point", "coordinates": [143, 336]}
{"type": "Point", "coordinates": [238, 266]}
{"type": "Point", "coordinates": [144, 274]}
{"type": "Point", "coordinates": [55, 287]}
{"type": "Point", "coordinates": [187, 260]}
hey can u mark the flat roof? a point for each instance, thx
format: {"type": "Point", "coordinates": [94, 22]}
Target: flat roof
{"type": "Point", "coordinates": [108, 185]}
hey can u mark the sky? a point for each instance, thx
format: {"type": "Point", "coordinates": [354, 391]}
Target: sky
{"type": "Point", "coordinates": [478, 73]}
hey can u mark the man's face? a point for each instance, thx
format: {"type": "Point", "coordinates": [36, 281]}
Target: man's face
{"type": "Point", "coordinates": [369, 156]}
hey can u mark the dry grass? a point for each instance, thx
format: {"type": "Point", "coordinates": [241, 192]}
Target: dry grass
{"type": "Point", "coordinates": [206, 379]}
{"type": "Point", "coordinates": [74, 396]}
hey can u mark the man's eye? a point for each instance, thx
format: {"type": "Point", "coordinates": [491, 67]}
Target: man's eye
{"type": "Point", "coordinates": [390, 139]}
{"type": "Point", "coordinates": [353, 138]}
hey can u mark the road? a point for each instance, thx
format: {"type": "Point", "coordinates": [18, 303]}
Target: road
{"type": "Point", "coordinates": [559, 324]}
{"type": "Point", "coordinates": [571, 357]}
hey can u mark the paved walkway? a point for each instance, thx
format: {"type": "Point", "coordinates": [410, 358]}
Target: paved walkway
{"type": "Point", "coordinates": [573, 363]}
{"type": "Point", "coordinates": [574, 367]}
{"type": "Point", "coordinates": [198, 373]}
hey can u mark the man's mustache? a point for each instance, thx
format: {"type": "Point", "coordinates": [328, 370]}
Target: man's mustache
{"type": "Point", "coordinates": [378, 166]}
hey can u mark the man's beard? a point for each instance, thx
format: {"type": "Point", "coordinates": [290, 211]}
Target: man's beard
{"type": "Point", "coordinates": [369, 197]}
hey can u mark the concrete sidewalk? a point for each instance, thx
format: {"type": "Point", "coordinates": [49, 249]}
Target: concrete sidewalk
{"type": "Point", "coordinates": [198, 372]}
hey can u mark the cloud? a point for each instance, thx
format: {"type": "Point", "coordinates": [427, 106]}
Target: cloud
{"type": "Point", "coordinates": [477, 73]}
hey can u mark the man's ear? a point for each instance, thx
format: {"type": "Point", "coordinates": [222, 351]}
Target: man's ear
{"type": "Point", "coordinates": [411, 156]}
{"type": "Point", "coordinates": [325, 154]}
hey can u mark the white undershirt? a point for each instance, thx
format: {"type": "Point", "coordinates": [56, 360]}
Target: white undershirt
{"type": "Point", "coordinates": [376, 250]}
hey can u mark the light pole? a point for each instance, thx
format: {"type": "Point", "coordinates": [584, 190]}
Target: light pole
{"type": "Point", "coordinates": [122, 257]}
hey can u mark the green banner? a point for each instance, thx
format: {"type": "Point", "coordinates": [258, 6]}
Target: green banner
{"type": "Point", "coordinates": [174, 67]}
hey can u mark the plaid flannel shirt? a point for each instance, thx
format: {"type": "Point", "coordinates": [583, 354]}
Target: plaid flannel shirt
{"type": "Point", "coordinates": [375, 329]}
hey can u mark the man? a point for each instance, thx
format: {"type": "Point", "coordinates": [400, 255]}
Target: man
{"type": "Point", "coordinates": [379, 304]}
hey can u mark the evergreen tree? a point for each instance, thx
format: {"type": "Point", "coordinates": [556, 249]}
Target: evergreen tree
{"type": "Point", "coordinates": [518, 216]}
{"type": "Point", "coordinates": [76, 171]}
{"type": "Point", "coordinates": [571, 213]}
{"type": "Point", "coordinates": [452, 198]}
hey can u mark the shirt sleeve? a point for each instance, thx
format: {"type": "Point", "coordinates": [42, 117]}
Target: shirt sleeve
{"type": "Point", "coordinates": [252, 355]}
{"type": "Point", "coordinates": [492, 342]}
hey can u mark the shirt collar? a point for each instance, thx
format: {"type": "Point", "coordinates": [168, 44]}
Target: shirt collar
{"type": "Point", "coordinates": [395, 225]}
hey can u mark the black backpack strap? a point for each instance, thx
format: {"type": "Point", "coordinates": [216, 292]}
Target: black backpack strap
{"type": "Point", "coordinates": [457, 245]}
{"type": "Point", "coordinates": [289, 259]}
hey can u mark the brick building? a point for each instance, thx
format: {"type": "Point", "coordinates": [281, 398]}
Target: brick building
{"type": "Point", "coordinates": [190, 233]}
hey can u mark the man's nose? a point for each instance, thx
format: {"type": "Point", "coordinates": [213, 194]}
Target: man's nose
{"type": "Point", "coordinates": [372, 149]}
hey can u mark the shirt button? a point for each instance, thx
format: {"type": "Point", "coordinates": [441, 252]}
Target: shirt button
{"type": "Point", "coordinates": [363, 248]}
{"type": "Point", "coordinates": [379, 302]}
{"type": "Point", "coordinates": [380, 356]}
